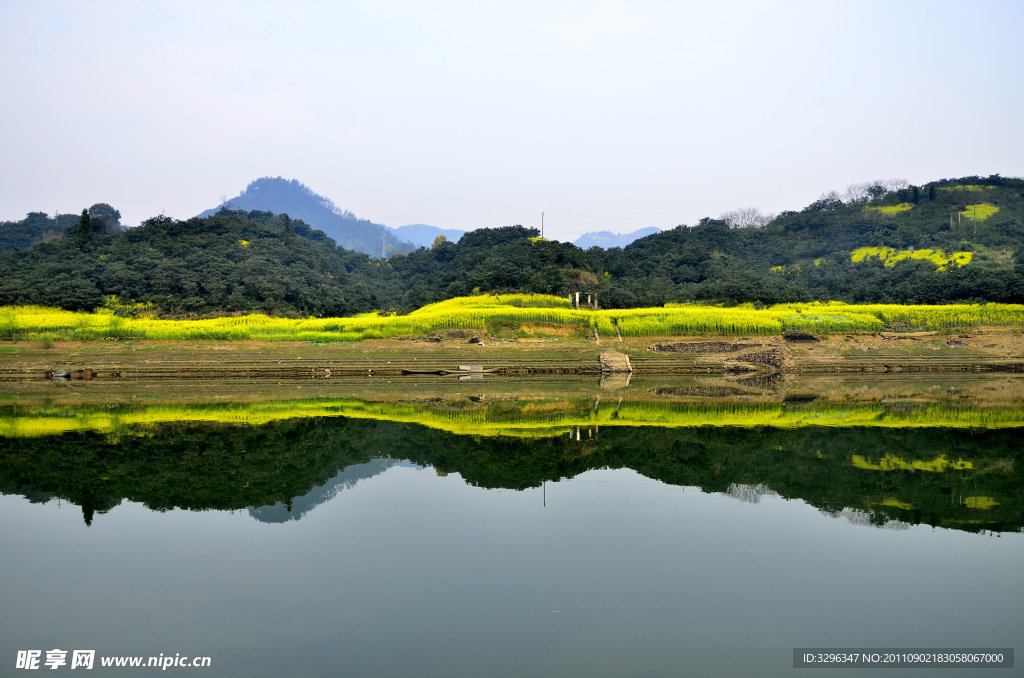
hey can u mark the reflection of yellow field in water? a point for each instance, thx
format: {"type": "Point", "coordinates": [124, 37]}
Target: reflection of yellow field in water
{"type": "Point", "coordinates": [896, 503]}
{"type": "Point", "coordinates": [545, 409]}
{"type": "Point", "coordinates": [529, 418]}
{"type": "Point", "coordinates": [980, 502]}
{"type": "Point", "coordinates": [891, 462]}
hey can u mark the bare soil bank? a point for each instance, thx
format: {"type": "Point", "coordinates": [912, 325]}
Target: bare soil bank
{"type": "Point", "coordinates": [981, 350]}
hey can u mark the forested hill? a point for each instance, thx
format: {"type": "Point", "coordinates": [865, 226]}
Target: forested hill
{"type": "Point", "coordinates": [37, 227]}
{"type": "Point", "coordinates": [948, 240]}
{"type": "Point", "coordinates": [952, 240]}
{"type": "Point", "coordinates": [283, 196]}
{"type": "Point", "coordinates": [231, 261]}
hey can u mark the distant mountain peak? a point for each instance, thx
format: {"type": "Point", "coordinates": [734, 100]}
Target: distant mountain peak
{"type": "Point", "coordinates": [423, 235]}
{"type": "Point", "coordinates": [267, 184]}
{"type": "Point", "coordinates": [290, 196]}
{"type": "Point", "coordinates": [608, 239]}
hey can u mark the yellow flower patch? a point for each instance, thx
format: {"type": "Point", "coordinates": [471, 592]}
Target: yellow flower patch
{"type": "Point", "coordinates": [891, 256]}
{"type": "Point", "coordinates": [889, 210]}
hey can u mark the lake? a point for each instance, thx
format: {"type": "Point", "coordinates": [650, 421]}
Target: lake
{"type": "Point", "coordinates": [510, 529]}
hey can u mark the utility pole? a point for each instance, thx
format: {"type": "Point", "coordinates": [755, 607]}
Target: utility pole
{"type": "Point", "coordinates": [542, 225]}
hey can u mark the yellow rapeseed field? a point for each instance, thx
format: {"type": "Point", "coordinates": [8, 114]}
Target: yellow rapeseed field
{"type": "Point", "coordinates": [891, 256]}
{"type": "Point", "coordinates": [484, 313]}
{"type": "Point", "coordinates": [981, 211]}
{"type": "Point", "coordinates": [890, 210]}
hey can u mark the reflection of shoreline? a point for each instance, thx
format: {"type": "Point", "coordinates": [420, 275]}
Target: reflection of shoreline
{"type": "Point", "coordinates": [347, 478]}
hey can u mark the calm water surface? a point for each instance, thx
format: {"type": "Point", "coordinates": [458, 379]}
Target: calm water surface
{"type": "Point", "coordinates": [337, 547]}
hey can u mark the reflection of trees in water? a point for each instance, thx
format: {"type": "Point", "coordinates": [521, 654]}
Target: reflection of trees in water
{"type": "Point", "coordinates": [751, 494]}
{"type": "Point", "coordinates": [865, 517]}
{"type": "Point", "coordinates": [305, 462]}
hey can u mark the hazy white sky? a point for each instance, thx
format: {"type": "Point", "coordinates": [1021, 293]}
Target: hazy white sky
{"type": "Point", "coordinates": [605, 114]}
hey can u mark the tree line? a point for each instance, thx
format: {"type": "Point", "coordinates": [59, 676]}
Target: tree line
{"type": "Point", "coordinates": [238, 261]}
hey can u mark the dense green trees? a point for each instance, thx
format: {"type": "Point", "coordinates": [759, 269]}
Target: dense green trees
{"type": "Point", "coordinates": [241, 261]}
{"type": "Point", "coordinates": [83, 234]}
{"type": "Point", "coordinates": [229, 262]}
{"type": "Point", "coordinates": [35, 227]}
{"type": "Point", "coordinates": [38, 227]}
{"type": "Point", "coordinates": [105, 218]}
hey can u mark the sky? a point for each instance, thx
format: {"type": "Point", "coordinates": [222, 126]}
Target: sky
{"type": "Point", "coordinates": [604, 114]}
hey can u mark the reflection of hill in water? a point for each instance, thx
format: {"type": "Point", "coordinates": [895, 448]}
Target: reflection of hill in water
{"type": "Point", "coordinates": [347, 478]}
{"type": "Point", "coordinates": [962, 478]}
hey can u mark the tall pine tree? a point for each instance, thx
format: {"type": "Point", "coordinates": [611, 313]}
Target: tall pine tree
{"type": "Point", "coordinates": [83, 234]}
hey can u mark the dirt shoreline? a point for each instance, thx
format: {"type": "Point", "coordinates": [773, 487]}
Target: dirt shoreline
{"type": "Point", "coordinates": [981, 350]}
